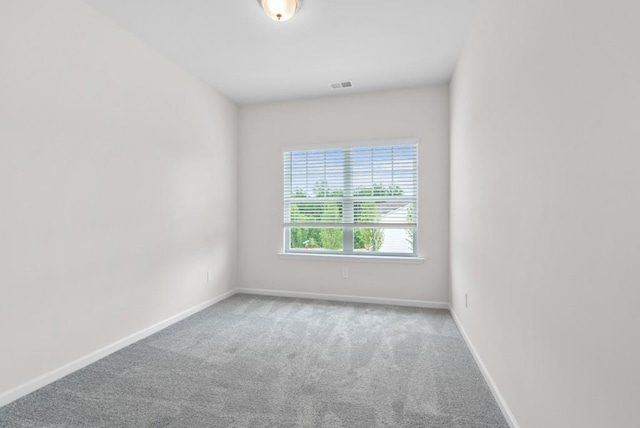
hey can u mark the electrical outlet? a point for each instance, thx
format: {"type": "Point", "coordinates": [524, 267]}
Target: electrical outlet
{"type": "Point", "coordinates": [345, 272]}
{"type": "Point", "coordinates": [466, 300]}
{"type": "Point", "coordinates": [208, 275]}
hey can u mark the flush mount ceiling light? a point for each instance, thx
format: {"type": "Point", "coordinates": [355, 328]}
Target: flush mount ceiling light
{"type": "Point", "coordinates": [280, 10]}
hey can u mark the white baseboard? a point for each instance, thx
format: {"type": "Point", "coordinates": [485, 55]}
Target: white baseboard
{"type": "Point", "coordinates": [37, 383]}
{"type": "Point", "coordinates": [345, 298]}
{"type": "Point", "coordinates": [47, 378]}
{"type": "Point", "coordinates": [504, 407]}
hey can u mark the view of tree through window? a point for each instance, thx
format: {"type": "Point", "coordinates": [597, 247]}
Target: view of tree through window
{"type": "Point", "coordinates": [357, 200]}
{"type": "Point", "coordinates": [370, 239]}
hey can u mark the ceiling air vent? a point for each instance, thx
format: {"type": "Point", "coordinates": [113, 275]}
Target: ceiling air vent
{"type": "Point", "coordinates": [340, 85]}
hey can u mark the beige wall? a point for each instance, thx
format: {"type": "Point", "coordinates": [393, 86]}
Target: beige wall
{"type": "Point", "coordinates": [117, 187]}
{"type": "Point", "coordinates": [545, 211]}
{"type": "Point", "coordinates": [265, 129]}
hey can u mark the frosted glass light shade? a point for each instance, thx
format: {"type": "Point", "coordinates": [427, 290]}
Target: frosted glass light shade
{"type": "Point", "coordinates": [279, 10]}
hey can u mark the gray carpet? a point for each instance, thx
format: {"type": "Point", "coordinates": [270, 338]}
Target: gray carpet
{"type": "Point", "coordinates": [253, 361]}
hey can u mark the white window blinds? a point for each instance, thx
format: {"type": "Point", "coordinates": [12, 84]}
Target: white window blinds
{"type": "Point", "coordinates": [351, 193]}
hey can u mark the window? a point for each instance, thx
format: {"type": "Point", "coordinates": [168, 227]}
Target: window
{"type": "Point", "coordinates": [357, 200]}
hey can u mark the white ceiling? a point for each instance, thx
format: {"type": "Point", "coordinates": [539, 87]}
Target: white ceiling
{"type": "Point", "coordinates": [235, 48]}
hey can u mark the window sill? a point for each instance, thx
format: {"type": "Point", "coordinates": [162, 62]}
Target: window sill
{"type": "Point", "coordinates": [350, 258]}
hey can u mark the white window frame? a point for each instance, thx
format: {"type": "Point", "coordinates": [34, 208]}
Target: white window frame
{"type": "Point", "coordinates": [348, 229]}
